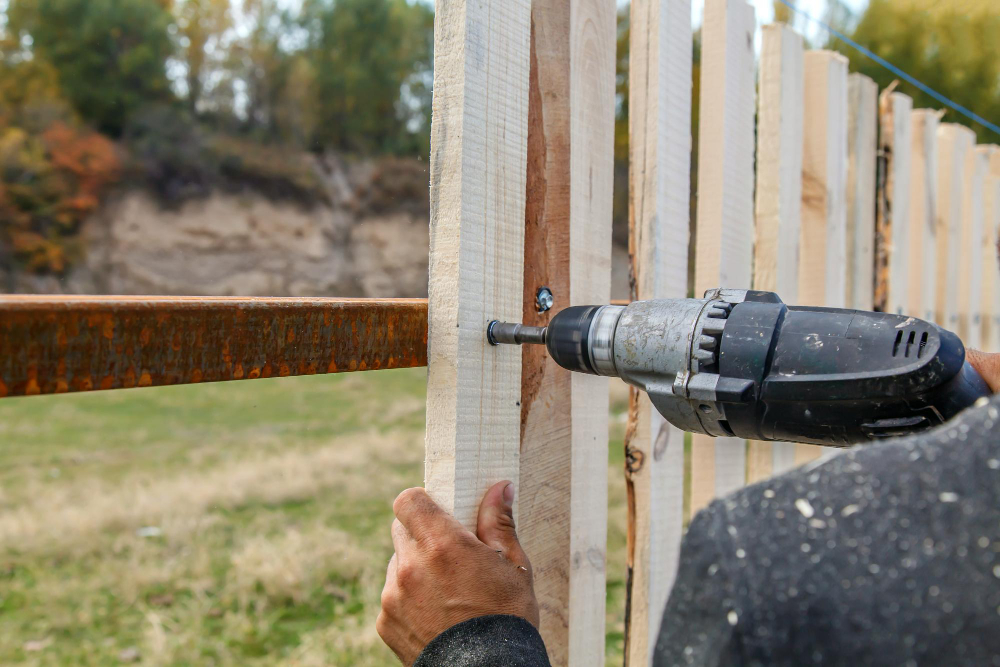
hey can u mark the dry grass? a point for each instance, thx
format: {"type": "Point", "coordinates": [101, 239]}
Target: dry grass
{"type": "Point", "coordinates": [241, 524]}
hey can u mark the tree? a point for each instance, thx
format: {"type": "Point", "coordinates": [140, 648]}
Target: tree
{"type": "Point", "coordinates": [202, 27]}
{"type": "Point", "coordinates": [372, 62]}
{"type": "Point", "coordinates": [110, 55]}
{"type": "Point", "coordinates": [955, 52]}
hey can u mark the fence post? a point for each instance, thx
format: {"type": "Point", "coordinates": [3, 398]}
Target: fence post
{"type": "Point", "coordinates": [479, 141]}
{"type": "Point", "coordinates": [564, 416]}
{"type": "Point", "coordinates": [822, 274]}
{"type": "Point", "coordinates": [971, 276]}
{"type": "Point", "coordinates": [779, 196]}
{"type": "Point", "coordinates": [923, 207]}
{"type": "Point", "coordinates": [862, 147]}
{"type": "Point", "coordinates": [724, 244]}
{"type": "Point", "coordinates": [660, 159]}
{"type": "Point", "coordinates": [954, 144]}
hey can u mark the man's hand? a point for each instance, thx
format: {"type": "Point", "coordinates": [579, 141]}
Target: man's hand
{"type": "Point", "coordinates": [988, 366]}
{"type": "Point", "coordinates": [442, 574]}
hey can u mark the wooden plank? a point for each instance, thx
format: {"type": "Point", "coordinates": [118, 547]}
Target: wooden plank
{"type": "Point", "coordinates": [824, 182]}
{"type": "Point", "coordinates": [970, 279]}
{"type": "Point", "coordinates": [862, 146]}
{"type": "Point", "coordinates": [779, 189]}
{"type": "Point", "coordinates": [923, 204]}
{"type": "Point", "coordinates": [990, 330]}
{"type": "Point", "coordinates": [478, 155]}
{"type": "Point", "coordinates": [564, 416]}
{"type": "Point", "coordinates": [895, 110]}
{"type": "Point", "coordinates": [725, 203]}
{"type": "Point", "coordinates": [823, 254]}
{"type": "Point", "coordinates": [660, 159]}
{"type": "Point", "coordinates": [991, 296]}
{"type": "Point", "coordinates": [954, 144]}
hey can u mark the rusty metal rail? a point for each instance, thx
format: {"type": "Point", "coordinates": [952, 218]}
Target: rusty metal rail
{"type": "Point", "coordinates": [51, 345]}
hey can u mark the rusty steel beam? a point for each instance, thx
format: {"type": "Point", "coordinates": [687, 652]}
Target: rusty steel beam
{"type": "Point", "coordinates": [51, 345]}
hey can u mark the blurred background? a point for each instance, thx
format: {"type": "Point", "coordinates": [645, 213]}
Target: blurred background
{"type": "Point", "coordinates": [265, 147]}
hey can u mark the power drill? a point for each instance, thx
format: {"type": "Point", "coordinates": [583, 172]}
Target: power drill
{"type": "Point", "coordinates": [741, 363]}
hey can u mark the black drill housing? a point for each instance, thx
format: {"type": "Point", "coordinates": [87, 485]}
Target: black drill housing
{"type": "Point", "coordinates": [840, 377]}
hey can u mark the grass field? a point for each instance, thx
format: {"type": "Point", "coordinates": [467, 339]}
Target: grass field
{"type": "Point", "coordinates": [229, 524]}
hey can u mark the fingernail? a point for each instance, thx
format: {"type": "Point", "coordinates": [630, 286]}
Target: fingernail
{"type": "Point", "coordinates": [508, 496]}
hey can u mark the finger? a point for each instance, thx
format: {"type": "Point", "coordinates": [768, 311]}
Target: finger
{"type": "Point", "coordinates": [421, 516]}
{"type": "Point", "coordinates": [402, 541]}
{"type": "Point", "coordinates": [495, 527]}
{"type": "Point", "coordinates": [988, 365]}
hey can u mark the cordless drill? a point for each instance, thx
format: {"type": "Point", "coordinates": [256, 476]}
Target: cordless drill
{"type": "Point", "coordinates": [741, 363]}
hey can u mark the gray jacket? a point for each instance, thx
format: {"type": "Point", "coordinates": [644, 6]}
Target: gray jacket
{"type": "Point", "coordinates": [882, 555]}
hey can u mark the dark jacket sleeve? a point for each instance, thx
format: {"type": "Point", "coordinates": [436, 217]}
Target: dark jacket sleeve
{"type": "Point", "coordinates": [488, 641]}
{"type": "Point", "coordinates": [699, 625]}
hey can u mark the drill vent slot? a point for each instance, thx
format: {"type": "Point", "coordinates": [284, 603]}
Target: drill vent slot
{"type": "Point", "coordinates": [907, 347]}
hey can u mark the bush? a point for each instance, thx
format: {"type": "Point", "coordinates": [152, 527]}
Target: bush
{"type": "Point", "coordinates": [51, 181]}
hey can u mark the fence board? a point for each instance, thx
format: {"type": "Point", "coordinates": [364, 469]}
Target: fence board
{"type": "Point", "coordinates": [990, 330]}
{"type": "Point", "coordinates": [862, 146]}
{"type": "Point", "coordinates": [971, 276]}
{"type": "Point", "coordinates": [923, 205]}
{"type": "Point", "coordinates": [895, 110]}
{"type": "Point", "coordinates": [725, 203]}
{"type": "Point", "coordinates": [779, 194]}
{"type": "Point", "coordinates": [478, 154]}
{"type": "Point", "coordinates": [954, 144]}
{"type": "Point", "coordinates": [660, 158]}
{"type": "Point", "coordinates": [564, 417]}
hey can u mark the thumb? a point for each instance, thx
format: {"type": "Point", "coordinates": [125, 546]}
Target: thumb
{"type": "Point", "coordinates": [496, 528]}
{"type": "Point", "coordinates": [988, 365]}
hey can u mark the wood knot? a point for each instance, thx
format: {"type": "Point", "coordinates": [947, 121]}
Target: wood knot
{"type": "Point", "coordinates": [634, 459]}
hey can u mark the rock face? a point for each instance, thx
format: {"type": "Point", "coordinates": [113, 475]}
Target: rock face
{"type": "Point", "coordinates": [249, 245]}
{"type": "Point", "coordinates": [370, 239]}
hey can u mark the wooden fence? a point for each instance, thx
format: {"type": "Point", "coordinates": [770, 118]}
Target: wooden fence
{"type": "Point", "coordinates": [856, 201]}
{"type": "Point", "coordinates": [810, 183]}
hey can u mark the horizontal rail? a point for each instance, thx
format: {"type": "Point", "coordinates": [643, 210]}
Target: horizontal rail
{"type": "Point", "coordinates": [59, 344]}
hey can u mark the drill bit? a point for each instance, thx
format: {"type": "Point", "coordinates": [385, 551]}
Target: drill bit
{"type": "Point", "coordinates": [505, 333]}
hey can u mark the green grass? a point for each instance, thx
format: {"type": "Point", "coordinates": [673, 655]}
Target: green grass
{"type": "Point", "coordinates": [230, 524]}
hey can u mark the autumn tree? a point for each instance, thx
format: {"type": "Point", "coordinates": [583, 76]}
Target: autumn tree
{"type": "Point", "coordinates": [110, 55]}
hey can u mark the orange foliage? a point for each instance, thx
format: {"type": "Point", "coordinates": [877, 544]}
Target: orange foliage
{"type": "Point", "coordinates": [50, 184]}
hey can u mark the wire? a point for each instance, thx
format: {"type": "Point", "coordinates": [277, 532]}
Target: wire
{"type": "Point", "coordinates": [895, 70]}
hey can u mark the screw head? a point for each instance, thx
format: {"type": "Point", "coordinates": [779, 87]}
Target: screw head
{"type": "Point", "coordinates": [544, 299]}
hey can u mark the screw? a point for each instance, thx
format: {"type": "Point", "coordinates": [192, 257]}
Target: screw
{"type": "Point", "coordinates": [544, 299]}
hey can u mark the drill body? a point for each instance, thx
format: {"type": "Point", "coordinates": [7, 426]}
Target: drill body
{"type": "Point", "coordinates": [742, 363]}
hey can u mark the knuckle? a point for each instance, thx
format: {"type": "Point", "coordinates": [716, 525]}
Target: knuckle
{"type": "Point", "coordinates": [405, 498]}
{"type": "Point", "coordinates": [407, 575]}
{"type": "Point", "coordinates": [439, 546]}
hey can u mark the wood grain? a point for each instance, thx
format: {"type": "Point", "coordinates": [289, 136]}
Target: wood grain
{"type": "Point", "coordinates": [478, 155]}
{"type": "Point", "coordinates": [971, 276]}
{"type": "Point", "coordinates": [723, 255]}
{"type": "Point", "coordinates": [923, 204]}
{"type": "Point", "coordinates": [862, 146]}
{"type": "Point", "coordinates": [564, 417]}
{"type": "Point", "coordinates": [954, 145]}
{"type": "Point", "coordinates": [895, 140]}
{"type": "Point", "coordinates": [660, 160]}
